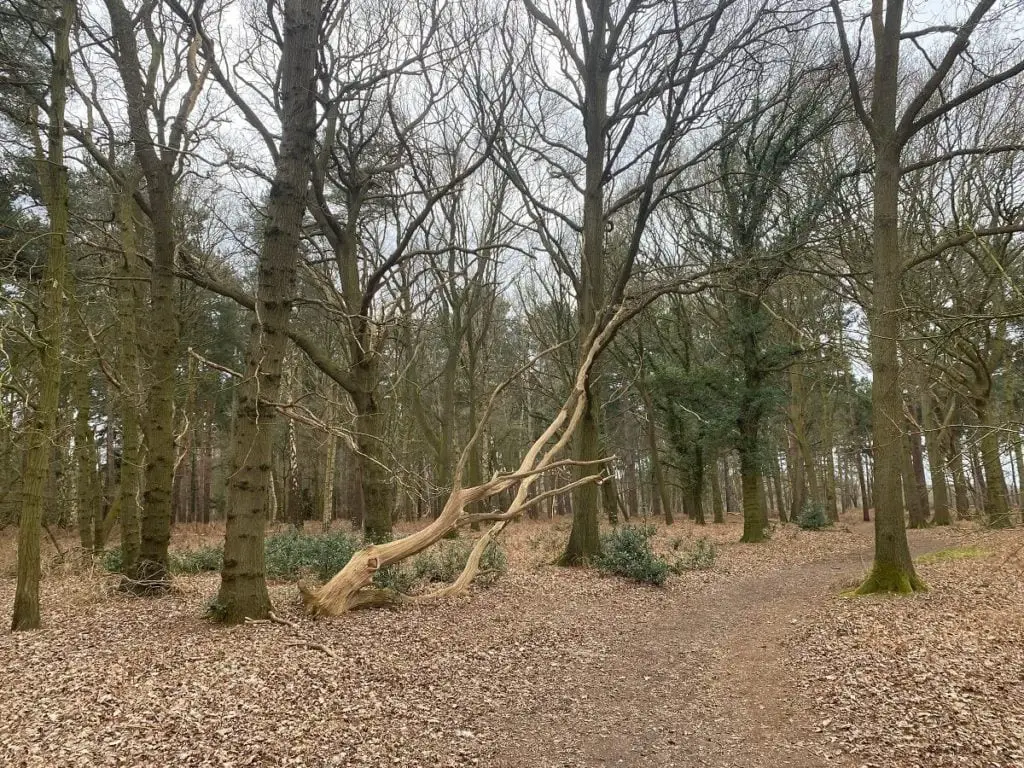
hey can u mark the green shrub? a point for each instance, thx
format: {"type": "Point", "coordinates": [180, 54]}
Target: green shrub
{"type": "Point", "coordinates": [627, 552]}
{"type": "Point", "coordinates": [197, 560]}
{"type": "Point", "coordinates": [395, 576]}
{"type": "Point", "coordinates": [445, 562]}
{"type": "Point", "coordinates": [293, 553]}
{"type": "Point", "coordinates": [813, 517]}
{"type": "Point", "coordinates": [701, 558]}
{"type": "Point", "coordinates": [112, 560]}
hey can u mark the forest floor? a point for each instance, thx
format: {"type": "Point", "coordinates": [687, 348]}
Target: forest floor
{"type": "Point", "coordinates": [763, 660]}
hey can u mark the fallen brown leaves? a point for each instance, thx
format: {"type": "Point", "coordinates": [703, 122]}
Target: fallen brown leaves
{"type": "Point", "coordinates": [932, 680]}
{"type": "Point", "coordinates": [550, 667]}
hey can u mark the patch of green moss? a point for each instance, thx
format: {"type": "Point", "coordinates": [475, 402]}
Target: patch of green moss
{"type": "Point", "coordinates": [952, 553]}
{"type": "Point", "coordinates": [892, 580]}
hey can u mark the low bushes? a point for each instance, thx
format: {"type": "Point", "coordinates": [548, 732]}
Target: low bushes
{"type": "Point", "coordinates": [626, 551]}
{"type": "Point", "coordinates": [701, 558]}
{"type": "Point", "coordinates": [294, 554]}
{"type": "Point", "coordinates": [813, 517]}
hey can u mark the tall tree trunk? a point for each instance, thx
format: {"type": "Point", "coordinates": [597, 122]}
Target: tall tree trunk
{"type": "Point", "coordinates": [377, 488]}
{"type": "Point", "coordinates": [997, 507]}
{"type": "Point", "coordinates": [651, 433]}
{"type": "Point", "coordinates": [243, 589]}
{"type": "Point", "coordinates": [727, 485]}
{"type": "Point", "coordinates": [893, 569]}
{"type": "Point", "coordinates": [330, 463]}
{"type": "Point", "coordinates": [798, 489]}
{"type": "Point", "coordinates": [917, 458]}
{"type": "Point", "coordinates": [91, 518]}
{"type": "Point", "coordinates": [862, 480]}
{"type": "Point", "coordinates": [911, 496]}
{"type": "Point", "coordinates": [42, 426]}
{"type": "Point", "coordinates": [936, 461]}
{"type": "Point", "coordinates": [1018, 455]}
{"type": "Point", "coordinates": [780, 500]}
{"type": "Point", "coordinates": [150, 574]}
{"type": "Point", "coordinates": [830, 482]}
{"type": "Point", "coordinates": [955, 462]}
{"type": "Point", "coordinates": [584, 539]}
{"type": "Point", "coordinates": [716, 492]}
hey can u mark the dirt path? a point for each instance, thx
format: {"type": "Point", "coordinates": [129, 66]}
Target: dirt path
{"type": "Point", "coordinates": [702, 683]}
{"type": "Point", "coordinates": [549, 668]}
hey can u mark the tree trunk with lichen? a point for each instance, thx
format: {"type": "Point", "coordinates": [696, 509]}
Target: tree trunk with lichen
{"type": "Point", "coordinates": [128, 303]}
{"type": "Point", "coordinates": [243, 589]}
{"type": "Point", "coordinates": [42, 424]}
{"type": "Point", "coordinates": [893, 568]}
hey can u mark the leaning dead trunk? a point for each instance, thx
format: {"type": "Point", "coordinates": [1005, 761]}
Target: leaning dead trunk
{"type": "Point", "coordinates": [352, 587]}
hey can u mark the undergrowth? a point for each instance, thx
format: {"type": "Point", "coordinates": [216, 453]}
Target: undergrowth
{"type": "Point", "coordinates": [812, 517]}
{"type": "Point", "coordinates": [701, 558]}
{"type": "Point", "coordinates": [626, 551]}
{"type": "Point", "coordinates": [294, 554]}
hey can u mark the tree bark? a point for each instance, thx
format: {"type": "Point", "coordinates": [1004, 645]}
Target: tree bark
{"type": "Point", "coordinates": [42, 425]}
{"type": "Point", "coordinates": [936, 461]}
{"type": "Point", "coordinates": [717, 507]}
{"type": "Point", "coordinates": [997, 507]}
{"type": "Point", "coordinates": [862, 480]}
{"type": "Point", "coordinates": [584, 539]}
{"type": "Point", "coordinates": [243, 589]}
{"type": "Point", "coordinates": [893, 569]}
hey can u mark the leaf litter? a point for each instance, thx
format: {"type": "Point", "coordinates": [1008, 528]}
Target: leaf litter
{"type": "Point", "coordinates": [550, 667]}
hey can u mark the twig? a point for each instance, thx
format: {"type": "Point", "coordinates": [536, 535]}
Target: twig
{"type": "Point", "coordinates": [314, 646]}
{"type": "Point", "coordinates": [273, 618]}
{"type": "Point", "coordinates": [60, 553]}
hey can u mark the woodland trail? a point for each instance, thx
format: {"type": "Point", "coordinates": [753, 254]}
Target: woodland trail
{"type": "Point", "coordinates": [702, 683]}
{"type": "Point", "coordinates": [549, 668]}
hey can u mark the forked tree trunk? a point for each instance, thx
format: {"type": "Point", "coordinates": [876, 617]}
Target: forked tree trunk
{"type": "Point", "coordinates": [243, 589]}
{"type": "Point", "coordinates": [156, 161]}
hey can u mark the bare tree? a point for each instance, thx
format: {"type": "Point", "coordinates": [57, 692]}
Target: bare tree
{"type": "Point", "coordinates": [892, 115]}
{"type": "Point", "coordinates": [638, 82]}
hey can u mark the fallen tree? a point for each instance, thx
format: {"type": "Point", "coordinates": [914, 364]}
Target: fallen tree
{"type": "Point", "coordinates": [352, 587]}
